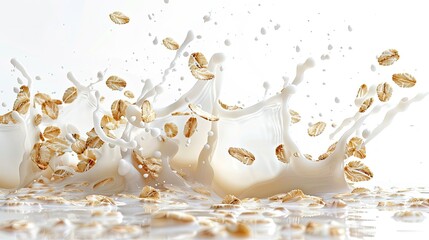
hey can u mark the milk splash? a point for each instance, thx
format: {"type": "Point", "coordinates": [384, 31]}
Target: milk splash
{"type": "Point", "coordinates": [202, 159]}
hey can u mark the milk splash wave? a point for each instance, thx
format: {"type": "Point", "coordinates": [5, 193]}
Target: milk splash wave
{"type": "Point", "coordinates": [204, 160]}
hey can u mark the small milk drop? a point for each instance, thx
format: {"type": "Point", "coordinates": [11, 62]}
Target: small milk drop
{"type": "Point", "coordinates": [187, 99]}
{"type": "Point", "coordinates": [350, 28]}
{"type": "Point", "coordinates": [366, 133]}
{"type": "Point", "coordinates": [15, 90]}
{"type": "Point", "coordinates": [155, 41]}
{"type": "Point", "coordinates": [133, 118]}
{"type": "Point", "coordinates": [276, 27]}
{"type": "Point", "coordinates": [157, 154]}
{"type": "Point", "coordinates": [19, 80]}
{"type": "Point", "coordinates": [330, 47]}
{"type": "Point", "coordinates": [188, 141]}
{"type": "Point", "coordinates": [266, 85]}
{"type": "Point", "coordinates": [263, 31]}
{"type": "Point", "coordinates": [145, 175]}
{"type": "Point", "coordinates": [155, 132]}
{"type": "Point", "coordinates": [227, 42]}
{"type": "Point", "coordinates": [297, 49]}
{"type": "Point", "coordinates": [337, 100]}
{"type": "Point", "coordinates": [206, 146]}
{"type": "Point", "coordinates": [210, 133]}
{"type": "Point", "coordinates": [373, 68]}
{"type": "Point", "coordinates": [38, 78]}
{"type": "Point", "coordinates": [123, 167]}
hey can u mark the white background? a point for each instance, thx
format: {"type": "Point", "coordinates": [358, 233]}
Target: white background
{"type": "Point", "coordinates": [51, 38]}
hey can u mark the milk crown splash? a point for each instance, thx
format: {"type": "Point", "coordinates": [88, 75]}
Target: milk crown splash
{"type": "Point", "coordinates": [139, 153]}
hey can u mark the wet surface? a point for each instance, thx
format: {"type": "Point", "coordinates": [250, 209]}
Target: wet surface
{"type": "Point", "coordinates": [44, 212]}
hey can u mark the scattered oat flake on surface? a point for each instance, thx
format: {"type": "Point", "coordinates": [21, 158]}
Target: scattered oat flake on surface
{"type": "Point", "coordinates": [190, 127]}
{"type": "Point", "coordinates": [231, 199]}
{"type": "Point", "coordinates": [280, 153]}
{"type": "Point", "coordinates": [294, 116]}
{"type": "Point", "coordinates": [198, 65]}
{"type": "Point", "coordinates": [366, 104]}
{"type": "Point", "coordinates": [239, 230]}
{"type": "Point", "coordinates": [361, 190]}
{"type": "Point", "coordinates": [363, 90]}
{"type": "Point", "coordinates": [355, 147]}
{"type": "Point", "coordinates": [356, 171]}
{"type": "Point", "coordinates": [116, 83]}
{"type": "Point", "coordinates": [148, 114]}
{"type": "Point", "coordinates": [170, 130]}
{"type": "Point", "coordinates": [384, 92]}
{"type": "Point", "coordinates": [173, 215]}
{"type": "Point", "coordinates": [242, 155]}
{"type": "Point", "coordinates": [150, 192]}
{"type": "Point", "coordinates": [169, 43]}
{"type": "Point", "coordinates": [129, 94]}
{"type": "Point", "coordinates": [388, 57]}
{"type": "Point", "coordinates": [70, 95]}
{"type": "Point", "coordinates": [404, 80]}
{"type": "Point", "coordinates": [50, 108]}
{"type": "Point", "coordinates": [119, 18]}
{"type": "Point", "coordinates": [51, 132]}
{"type": "Point", "coordinates": [201, 113]}
{"type": "Point", "coordinates": [316, 129]}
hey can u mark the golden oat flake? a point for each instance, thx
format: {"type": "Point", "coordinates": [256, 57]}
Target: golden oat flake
{"type": "Point", "coordinates": [198, 65]}
{"type": "Point", "coordinates": [119, 18]}
{"type": "Point", "coordinates": [190, 127]}
{"type": "Point", "coordinates": [116, 83]}
{"type": "Point", "coordinates": [70, 95]}
{"type": "Point", "coordinates": [384, 92]}
{"type": "Point", "coordinates": [356, 171]}
{"type": "Point", "coordinates": [280, 153]}
{"type": "Point", "coordinates": [316, 129]}
{"type": "Point", "coordinates": [404, 80]}
{"type": "Point", "coordinates": [388, 57]}
{"type": "Point", "coordinates": [201, 113]}
{"type": "Point", "coordinates": [242, 155]}
{"type": "Point", "coordinates": [148, 114]}
{"type": "Point", "coordinates": [170, 130]}
{"type": "Point", "coordinates": [169, 43]}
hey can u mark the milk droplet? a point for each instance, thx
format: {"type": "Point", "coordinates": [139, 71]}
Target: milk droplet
{"type": "Point", "coordinates": [276, 27]}
{"type": "Point", "coordinates": [15, 90]}
{"type": "Point", "coordinates": [227, 42]}
{"type": "Point", "coordinates": [366, 133]}
{"type": "Point", "coordinates": [19, 80]}
{"type": "Point", "coordinates": [111, 145]}
{"type": "Point", "coordinates": [350, 28]}
{"type": "Point", "coordinates": [145, 175]}
{"type": "Point", "coordinates": [266, 85]}
{"type": "Point", "coordinates": [187, 145]}
{"type": "Point", "coordinates": [206, 18]}
{"type": "Point", "coordinates": [188, 141]}
{"type": "Point", "coordinates": [185, 54]}
{"type": "Point", "coordinates": [263, 31]}
{"type": "Point", "coordinates": [123, 167]}
{"type": "Point", "coordinates": [210, 133]}
{"type": "Point", "coordinates": [206, 146]}
{"type": "Point", "coordinates": [133, 118]}
{"type": "Point", "coordinates": [330, 47]}
{"type": "Point", "coordinates": [373, 68]}
{"type": "Point", "coordinates": [297, 49]}
{"type": "Point", "coordinates": [199, 37]}
{"type": "Point", "coordinates": [147, 129]}
{"type": "Point", "coordinates": [157, 154]}
{"type": "Point", "coordinates": [155, 132]}
{"type": "Point", "coordinates": [38, 78]}
{"type": "Point", "coordinates": [166, 1]}
{"type": "Point", "coordinates": [155, 41]}
{"type": "Point", "coordinates": [337, 100]}
{"type": "Point", "coordinates": [187, 99]}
